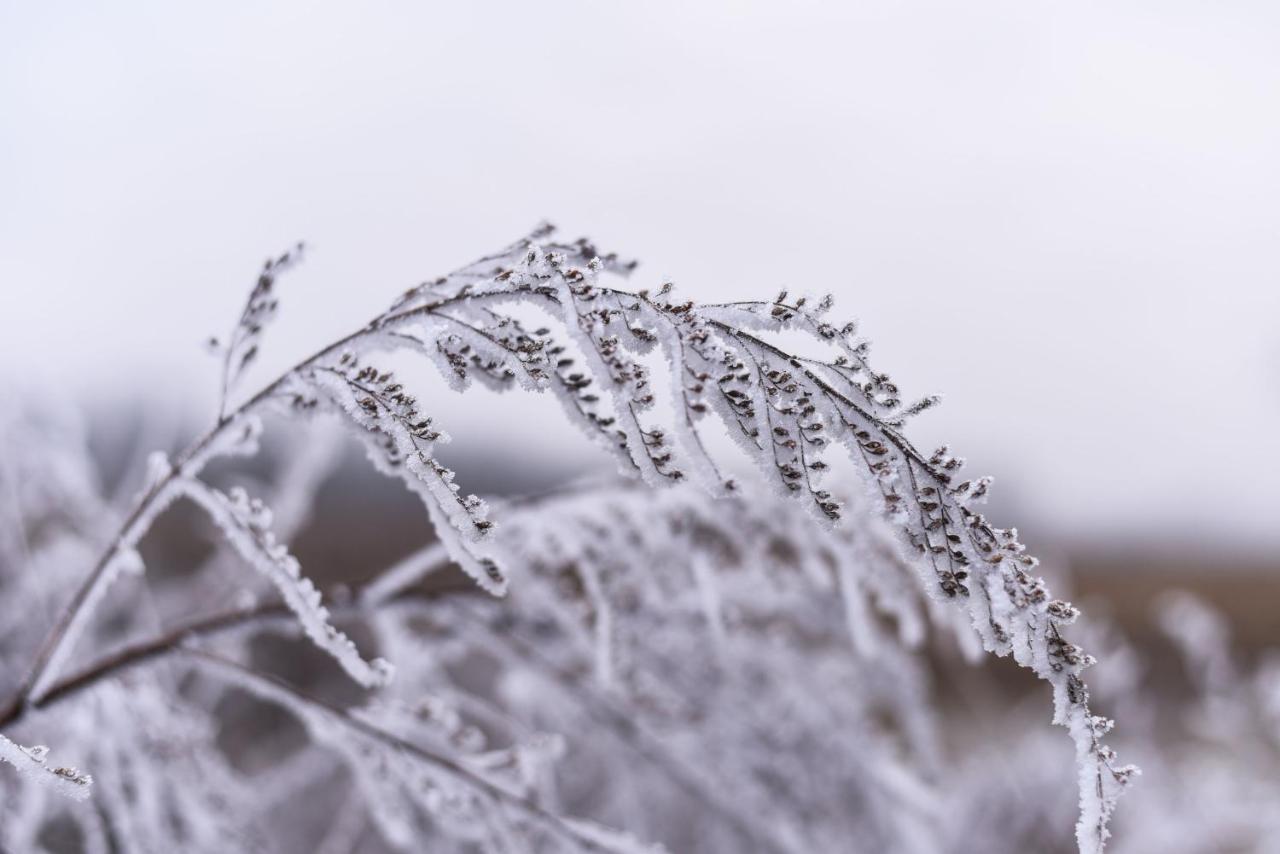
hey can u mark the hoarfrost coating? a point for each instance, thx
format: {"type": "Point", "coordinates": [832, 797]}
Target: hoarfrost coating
{"type": "Point", "coordinates": [791, 413]}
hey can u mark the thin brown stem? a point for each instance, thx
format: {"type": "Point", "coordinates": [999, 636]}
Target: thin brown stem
{"type": "Point", "coordinates": [57, 636]}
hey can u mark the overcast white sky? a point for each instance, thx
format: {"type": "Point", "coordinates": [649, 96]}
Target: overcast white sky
{"type": "Point", "coordinates": [1063, 216]}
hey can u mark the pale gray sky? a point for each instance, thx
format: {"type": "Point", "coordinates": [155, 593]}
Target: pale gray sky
{"type": "Point", "coordinates": [1062, 216]}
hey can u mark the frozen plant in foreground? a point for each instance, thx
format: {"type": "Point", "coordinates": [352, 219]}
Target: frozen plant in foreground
{"type": "Point", "coordinates": [1208, 738]}
{"type": "Point", "coordinates": [789, 412]}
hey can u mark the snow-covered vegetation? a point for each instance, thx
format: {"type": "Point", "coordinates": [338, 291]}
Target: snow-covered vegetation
{"type": "Point", "coordinates": [681, 658]}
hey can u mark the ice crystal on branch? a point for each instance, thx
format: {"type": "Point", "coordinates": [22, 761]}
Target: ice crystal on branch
{"type": "Point", "coordinates": [33, 761]}
{"type": "Point", "coordinates": [245, 523]}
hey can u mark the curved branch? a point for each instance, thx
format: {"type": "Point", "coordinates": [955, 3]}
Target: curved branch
{"type": "Point", "coordinates": [1008, 606]}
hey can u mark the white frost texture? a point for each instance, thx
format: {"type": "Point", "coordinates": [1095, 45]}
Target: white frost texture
{"type": "Point", "coordinates": [683, 659]}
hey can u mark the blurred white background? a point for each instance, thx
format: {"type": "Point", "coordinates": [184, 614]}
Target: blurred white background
{"type": "Point", "coordinates": [1062, 216]}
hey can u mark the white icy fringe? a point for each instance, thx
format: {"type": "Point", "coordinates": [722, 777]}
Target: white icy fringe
{"type": "Point", "coordinates": [33, 763]}
{"type": "Point", "coordinates": [244, 523]}
{"type": "Point", "coordinates": [787, 413]}
{"type": "Point", "coordinates": [396, 450]}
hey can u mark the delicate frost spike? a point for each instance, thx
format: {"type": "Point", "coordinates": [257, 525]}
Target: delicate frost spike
{"type": "Point", "coordinates": [399, 441]}
{"type": "Point", "coordinates": [596, 330]}
{"type": "Point", "coordinates": [33, 763]}
{"type": "Point", "coordinates": [245, 524]}
{"type": "Point", "coordinates": [1102, 782]}
{"type": "Point", "coordinates": [259, 310]}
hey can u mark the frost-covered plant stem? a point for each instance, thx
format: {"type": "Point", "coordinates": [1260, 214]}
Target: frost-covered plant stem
{"type": "Point", "coordinates": [784, 409]}
{"type": "Point", "coordinates": [166, 643]}
{"type": "Point", "coordinates": [186, 640]}
{"type": "Point", "coordinates": [189, 463]}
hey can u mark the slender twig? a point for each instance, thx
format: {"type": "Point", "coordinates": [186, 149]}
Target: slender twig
{"type": "Point", "coordinates": [171, 641]}
{"type": "Point", "coordinates": [53, 641]}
